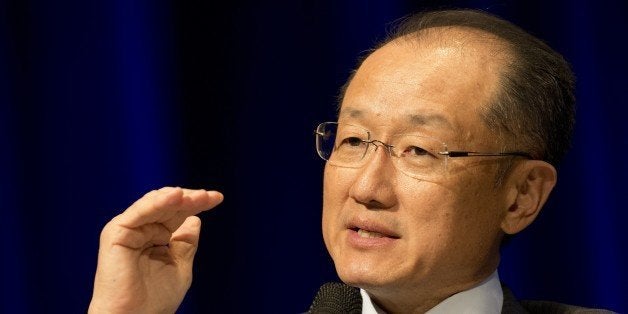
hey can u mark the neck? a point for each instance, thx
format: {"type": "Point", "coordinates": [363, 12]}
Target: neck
{"type": "Point", "coordinates": [427, 295]}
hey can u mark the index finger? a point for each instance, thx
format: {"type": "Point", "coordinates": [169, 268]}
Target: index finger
{"type": "Point", "coordinates": [160, 205]}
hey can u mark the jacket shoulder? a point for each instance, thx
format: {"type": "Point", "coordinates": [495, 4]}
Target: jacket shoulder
{"type": "Point", "coordinates": [513, 306]}
{"type": "Point", "coordinates": [549, 307]}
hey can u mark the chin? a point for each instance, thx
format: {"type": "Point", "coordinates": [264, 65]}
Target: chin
{"type": "Point", "coordinates": [364, 274]}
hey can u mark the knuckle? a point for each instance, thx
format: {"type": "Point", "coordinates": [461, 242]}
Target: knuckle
{"type": "Point", "coordinates": [124, 236]}
{"type": "Point", "coordinates": [204, 197]}
{"type": "Point", "coordinates": [150, 193]}
{"type": "Point", "coordinates": [114, 233]}
{"type": "Point", "coordinates": [144, 207]}
{"type": "Point", "coordinates": [107, 230]}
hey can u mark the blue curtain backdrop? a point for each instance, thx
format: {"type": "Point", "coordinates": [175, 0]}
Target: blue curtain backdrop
{"type": "Point", "coordinates": [101, 101]}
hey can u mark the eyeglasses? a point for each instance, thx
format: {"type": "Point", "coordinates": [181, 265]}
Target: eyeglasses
{"type": "Point", "coordinates": [421, 157]}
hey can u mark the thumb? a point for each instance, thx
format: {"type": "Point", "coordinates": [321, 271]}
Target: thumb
{"type": "Point", "coordinates": [184, 240]}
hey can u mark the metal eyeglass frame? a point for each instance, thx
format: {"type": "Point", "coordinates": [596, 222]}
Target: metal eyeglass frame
{"type": "Point", "coordinates": [448, 153]}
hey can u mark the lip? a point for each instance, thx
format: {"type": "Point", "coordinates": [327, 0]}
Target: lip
{"type": "Point", "coordinates": [355, 240]}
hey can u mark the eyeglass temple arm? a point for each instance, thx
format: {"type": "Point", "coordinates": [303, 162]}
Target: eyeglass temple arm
{"type": "Point", "coordinates": [479, 154]}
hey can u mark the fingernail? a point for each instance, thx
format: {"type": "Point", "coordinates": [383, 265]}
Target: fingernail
{"type": "Point", "coordinates": [220, 196]}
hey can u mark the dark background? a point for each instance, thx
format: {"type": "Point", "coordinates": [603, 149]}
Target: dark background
{"type": "Point", "coordinates": [104, 100]}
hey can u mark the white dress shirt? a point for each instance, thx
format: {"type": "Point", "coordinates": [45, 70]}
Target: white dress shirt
{"type": "Point", "coordinates": [485, 298]}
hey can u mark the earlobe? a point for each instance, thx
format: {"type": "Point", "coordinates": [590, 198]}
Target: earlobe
{"type": "Point", "coordinates": [533, 182]}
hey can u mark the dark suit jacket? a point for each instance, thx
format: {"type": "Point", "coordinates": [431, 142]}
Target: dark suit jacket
{"type": "Point", "coordinates": [513, 306]}
{"type": "Point", "coordinates": [346, 299]}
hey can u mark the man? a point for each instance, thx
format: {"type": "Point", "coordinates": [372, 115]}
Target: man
{"type": "Point", "coordinates": [446, 142]}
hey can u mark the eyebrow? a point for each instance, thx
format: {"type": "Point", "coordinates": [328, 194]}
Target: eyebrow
{"type": "Point", "coordinates": [351, 112]}
{"type": "Point", "coordinates": [423, 119]}
{"type": "Point", "coordinates": [414, 119]}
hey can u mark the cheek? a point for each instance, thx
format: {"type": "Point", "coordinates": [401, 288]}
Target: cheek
{"type": "Point", "coordinates": [330, 192]}
{"type": "Point", "coordinates": [336, 185]}
{"type": "Point", "coordinates": [474, 211]}
{"type": "Point", "coordinates": [335, 193]}
{"type": "Point", "coordinates": [447, 211]}
{"type": "Point", "coordinates": [432, 212]}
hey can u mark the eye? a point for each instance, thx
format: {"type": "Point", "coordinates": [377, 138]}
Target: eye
{"type": "Point", "coordinates": [411, 151]}
{"type": "Point", "coordinates": [352, 141]}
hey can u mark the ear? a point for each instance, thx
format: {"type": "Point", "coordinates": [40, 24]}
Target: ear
{"type": "Point", "coordinates": [530, 187]}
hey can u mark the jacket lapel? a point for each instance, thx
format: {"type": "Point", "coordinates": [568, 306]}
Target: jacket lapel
{"type": "Point", "coordinates": [511, 305]}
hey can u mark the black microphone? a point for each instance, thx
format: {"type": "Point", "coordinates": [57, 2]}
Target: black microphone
{"type": "Point", "coordinates": [336, 297]}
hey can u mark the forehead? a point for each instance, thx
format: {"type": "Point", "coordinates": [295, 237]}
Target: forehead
{"type": "Point", "coordinates": [441, 79]}
{"type": "Point", "coordinates": [410, 118]}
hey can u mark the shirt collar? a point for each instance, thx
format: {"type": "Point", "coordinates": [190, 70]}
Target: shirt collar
{"type": "Point", "coordinates": [486, 297]}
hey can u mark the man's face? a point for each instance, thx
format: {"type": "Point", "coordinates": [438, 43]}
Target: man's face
{"type": "Point", "coordinates": [442, 232]}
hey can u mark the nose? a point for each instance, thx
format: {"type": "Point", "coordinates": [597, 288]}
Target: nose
{"type": "Point", "coordinates": [375, 181]}
{"type": "Point", "coordinates": [377, 144]}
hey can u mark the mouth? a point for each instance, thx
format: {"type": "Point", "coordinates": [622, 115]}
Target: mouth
{"type": "Point", "coordinates": [372, 231]}
{"type": "Point", "coordinates": [371, 237]}
{"type": "Point", "coordinates": [370, 234]}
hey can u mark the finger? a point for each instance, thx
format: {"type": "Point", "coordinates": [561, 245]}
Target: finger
{"type": "Point", "coordinates": [151, 207]}
{"type": "Point", "coordinates": [184, 241]}
{"type": "Point", "coordinates": [164, 204]}
{"type": "Point", "coordinates": [188, 232]}
{"type": "Point", "coordinates": [135, 238]}
{"type": "Point", "coordinates": [193, 203]}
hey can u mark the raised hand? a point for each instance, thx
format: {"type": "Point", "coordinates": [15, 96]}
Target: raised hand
{"type": "Point", "coordinates": [146, 253]}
